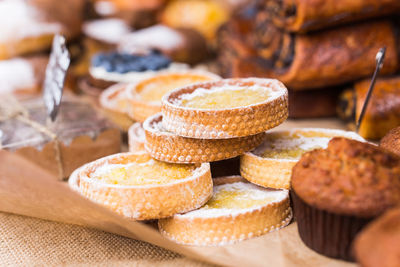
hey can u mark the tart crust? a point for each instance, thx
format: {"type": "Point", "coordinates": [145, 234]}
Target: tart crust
{"type": "Point", "coordinates": [115, 104]}
{"type": "Point", "coordinates": [167, 146]}
{"type": "Point", "coordinates": [142, 109]}
{"type": "Point", "coordinates": [203, 230]}
{"type": "Point", "coordinates": [276, 173]}
{"type": "Point", "coordinates": [136, 138]}
{"type": "Point", "coordinates": [144, 202]}
{"type": "Point", "coordinates": [228, 122]}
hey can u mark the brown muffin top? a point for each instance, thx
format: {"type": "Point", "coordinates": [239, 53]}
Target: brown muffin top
{"type": "Point", "coordinates": [378, 243]}
{"type": "Point", "coordinates": [348, 178]}
{"type": "Point", "coordinates": [391, 141]}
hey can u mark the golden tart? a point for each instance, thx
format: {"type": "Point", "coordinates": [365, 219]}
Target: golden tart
{"type": "Point", "coordinates": [226, 108]}
{"type": "Point", "coordinates": [146, 95]}
{"type": "Point", "coordinates": [141, 188]}
{"type": "Point", "coordinates": [238, 210]}
{"type": "Point", "coordinates": [270, 164]}
{"type": "Point", "coordinates": [115, 104]}
{"type": "Point", "coordinates": [136, 137]}
{"type": "Point", "coordinates": [169, 147]}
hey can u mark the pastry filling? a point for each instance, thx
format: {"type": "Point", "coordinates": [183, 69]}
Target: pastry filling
{"type": "Point", "coordinates": [225, 97]}
{"type": "Point", "coordinates": [228, 199]}
{"type": "Point", "coordinates": [156, 89]}
{"type": "Point", "coordinates": [145, 172]}
{"type": "Point", "coordinates": [292, 145]}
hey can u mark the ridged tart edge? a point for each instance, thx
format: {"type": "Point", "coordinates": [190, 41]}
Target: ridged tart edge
{"type": "Point", "coordinates": [144, 202]}
{"type": "Point", "coordinates": [169, 147]}
{"type": "Point", "coordinates": [227, 229]}
{"type": "Point", "coordinates": [225, 123]}
{"type": "Point", "coordinates": [135, 141]}
{"type": "Point", "coordinates": [276, 173]}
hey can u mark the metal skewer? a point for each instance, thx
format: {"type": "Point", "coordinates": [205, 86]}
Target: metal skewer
{"type": "Point", "coordinates": [380, 56]}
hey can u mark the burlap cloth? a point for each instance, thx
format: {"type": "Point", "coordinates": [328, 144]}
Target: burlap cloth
{"type": "Point", "coordinates": [28, 241]}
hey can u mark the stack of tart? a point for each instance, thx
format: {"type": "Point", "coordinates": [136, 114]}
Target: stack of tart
{"type": "Point", "coordinates": [207, 121]}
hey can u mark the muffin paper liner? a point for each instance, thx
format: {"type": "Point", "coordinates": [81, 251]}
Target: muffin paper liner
{"type": "Point", "coordinates": [325, 232]}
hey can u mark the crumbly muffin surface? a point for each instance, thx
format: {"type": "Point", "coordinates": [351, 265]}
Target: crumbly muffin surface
{"type": "Point", "coordinates": [348, 178]}
{"type": "Point", "coordinates": [391, 141]}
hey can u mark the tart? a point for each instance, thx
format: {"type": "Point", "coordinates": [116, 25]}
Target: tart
{"type": "Point", "coordinates": [169, 147]}
{"type": "Point", "coordinates": [238, 210]}
{"type": "Point", "coordinates": [141, 188]}
{"type": "Point", "coordinates": [226, 108]}
{"type": "Point", "coordinates": [115, 104]}
{"type": "Point", "coordinates": [146, 95]}
{"type": "Point", "coordinates": [270, 164]}
{"type": "Point", "coordinates": [338, 190]}
{"type": "Point", "coordinates": [136, 138]}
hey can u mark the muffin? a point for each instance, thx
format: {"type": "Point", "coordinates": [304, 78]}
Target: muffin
{"type": "Point", "coordinates": [378, 243]}
{"type": "Point", "coordinates": [391, 141]}
{"type": "Point", "coordinates": [338, 190]}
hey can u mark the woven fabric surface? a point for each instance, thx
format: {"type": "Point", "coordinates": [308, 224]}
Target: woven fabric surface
{"type": "Point", "coordinates": [28, 241]}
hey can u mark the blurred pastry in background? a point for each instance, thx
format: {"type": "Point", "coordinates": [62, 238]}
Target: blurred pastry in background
{"type": "Point", "coordinates": [378, 243]}
{"type": "Point", "coordinates": [136, 138]}
{"type": "Point", "coordinates": [69, 13]}
{"type": "Point", "coordinates": [306, 15]}
{"type": "Point", "coordinates": [99, 36]}
{"type": "Point", "coordinates": [326, 58]}
{"type": "Point", "coordinates": [205, 16]}
{"type": "Point", "coordinates": [25, 29]}
{"type": "Point", "coordinates": [22, 77]}
{"type": "Point", "coordinates": [114, 67]}
{"type": "Point", "coordinates": [391, 141]}
{"type": "Point", "coordinates": [138, 14]}
{"type": "Point", "coordinates": [181, 45]}
{"type": "Point", "coordinates": [383, 111]}
{"type": "Point", "coordinates": [145, 96]}
{"type": "Point", "coordinates": [315, 103]}
{"type": "Point", "coordinates": [115, 105]}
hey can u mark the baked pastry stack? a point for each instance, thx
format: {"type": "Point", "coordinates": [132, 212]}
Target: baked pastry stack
{"type": "Point", "coordinates": [171, 180]}
{"type": "Point", "coordinates": [288, 41]}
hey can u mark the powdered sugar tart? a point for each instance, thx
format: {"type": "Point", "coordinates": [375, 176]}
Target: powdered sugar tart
{"type": "Point", "coordinates": [238, 210]}
{"type": "Point", "coordinates": [146, 95]}
{"type": "Point", "coordinates": [136, 137]}
{"type": "Point", "coordinates": [114, 102]}
{"type": "Point", "coordinates": [141, 188]}
{"type": "Point", "coordinates": [270, 164]}
{"type": "Point", "coordinates": [226, 108]}
{"type": "Point", "coordinates": [166, 146]}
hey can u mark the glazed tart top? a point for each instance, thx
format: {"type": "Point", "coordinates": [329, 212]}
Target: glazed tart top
{"type": "Point", "coordinates": [290, 145]}
{"type": "Point", "coordinates": [227, 94]}
{"type": "Point", "coordinates": [138, 169]}
{"type": "Point", "coordinates": [235, 198]}
{"type": "Point", "coordinates": [114, 98]}
{"type": "Point", "coordinates": [153, 89]}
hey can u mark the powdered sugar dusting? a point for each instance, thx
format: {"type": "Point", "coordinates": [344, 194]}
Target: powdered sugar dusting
{"type": "Point", "coordinates": [302, 139]}
{"type": "Point", "coordinates": [248, 192]}
{"type": "Point", "coordinates": [158, 37]}
{"type": "Point", "coordinates": [133, 76]}
{"type": "Point", "coordinates": [107, 30]}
